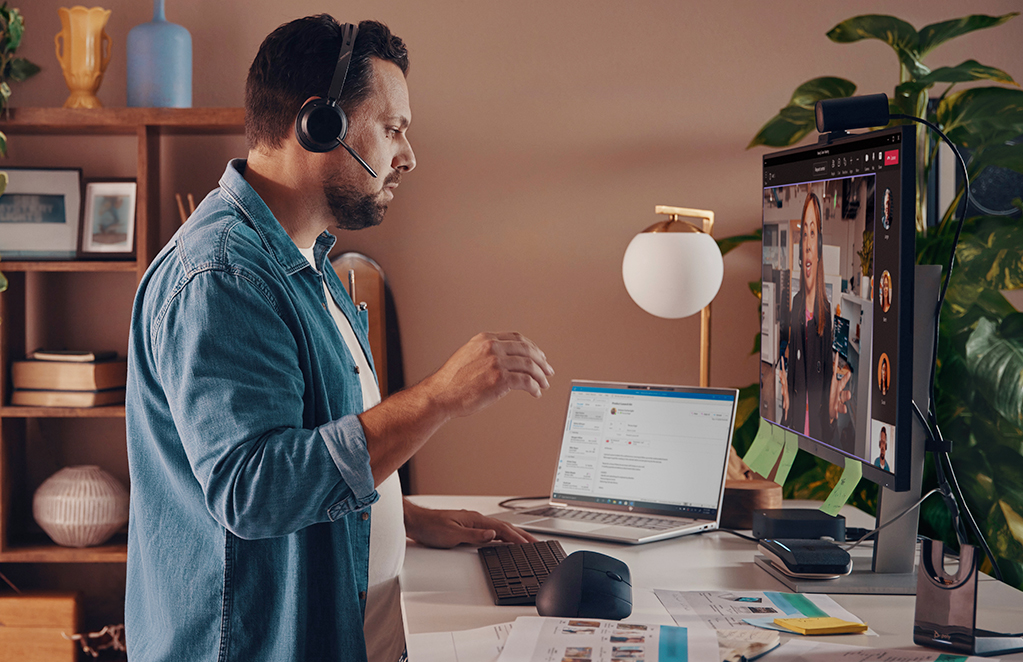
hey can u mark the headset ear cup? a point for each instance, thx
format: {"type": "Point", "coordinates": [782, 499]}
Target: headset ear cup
{"type": "Point", "coordinates": [320, 126]}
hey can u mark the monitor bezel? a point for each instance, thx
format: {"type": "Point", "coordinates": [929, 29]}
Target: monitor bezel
{"type": "Point", "coordinates": [900, 479]}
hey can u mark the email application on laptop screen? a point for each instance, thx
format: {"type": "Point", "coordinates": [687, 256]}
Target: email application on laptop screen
{"type": "Point", "coordinates": [645, 448]}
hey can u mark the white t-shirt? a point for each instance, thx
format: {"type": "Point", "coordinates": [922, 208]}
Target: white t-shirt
{"type": "Point", "coordinates": [385, 635]}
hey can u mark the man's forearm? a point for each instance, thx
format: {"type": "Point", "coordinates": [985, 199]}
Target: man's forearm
{"type": "Point", "coordinates": [481, 372]}
{"type": "Point", "coordinates": [398, 427]}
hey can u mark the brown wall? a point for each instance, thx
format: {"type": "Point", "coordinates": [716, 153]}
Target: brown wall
{"type": "Point", "coordinates": [545, 133]}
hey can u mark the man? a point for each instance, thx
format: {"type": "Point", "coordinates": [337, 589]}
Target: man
{"type": "Point", "coordinates": [257, 442]}
{"type": "Point", "coordinates": [882, 443]}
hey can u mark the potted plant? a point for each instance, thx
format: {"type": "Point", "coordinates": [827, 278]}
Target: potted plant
{"type": "Point", "coordinates": [979, 383]}
{"type": "Point", "coordinates": [12, 67]}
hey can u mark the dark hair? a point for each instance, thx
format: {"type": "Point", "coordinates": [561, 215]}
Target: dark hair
{"type": "Point", "coordinates": [297, 61]}
{"type": "Point", "coordinates": [819, 304]}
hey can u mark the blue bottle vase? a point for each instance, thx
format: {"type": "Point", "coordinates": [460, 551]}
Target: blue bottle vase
{"type": "Point", "coordinates": [159, 63]}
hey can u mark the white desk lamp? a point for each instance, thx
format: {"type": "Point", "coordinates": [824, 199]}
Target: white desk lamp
{"type": "Point", "coordinates": [674, 269]}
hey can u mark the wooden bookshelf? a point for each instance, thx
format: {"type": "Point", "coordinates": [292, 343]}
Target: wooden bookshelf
{"type": "Point", "coordinates": [21, 542]}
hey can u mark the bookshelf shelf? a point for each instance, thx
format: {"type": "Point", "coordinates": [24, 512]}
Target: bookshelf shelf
{"type": "Point", "coordinates": [41, 550]}
{"type": "Point", "coordinates": [76, 266]}
{"type": "Point", "coordinates": [106, 411]}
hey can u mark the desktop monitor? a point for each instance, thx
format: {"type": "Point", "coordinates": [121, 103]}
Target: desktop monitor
{"type": "Point", "coordinates": [837, 296]}
{"type": "Point", "coordinates": [847, 321]}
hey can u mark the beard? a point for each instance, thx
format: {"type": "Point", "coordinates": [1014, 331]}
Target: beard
{"type": "Point", "coordinates": [353, 210]}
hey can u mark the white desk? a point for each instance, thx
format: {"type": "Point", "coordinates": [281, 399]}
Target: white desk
{"type": "Point", "coordinates": [444, 590]}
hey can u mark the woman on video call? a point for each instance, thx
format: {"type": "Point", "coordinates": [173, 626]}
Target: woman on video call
{"type": "Point", "coordinates": [816, 394]}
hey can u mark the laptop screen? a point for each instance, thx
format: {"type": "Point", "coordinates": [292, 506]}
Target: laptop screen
{"type": "Point", "coordinates": [644, 448]}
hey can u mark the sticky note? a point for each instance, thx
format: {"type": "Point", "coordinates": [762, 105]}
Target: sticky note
{"type": "Point", "coordinates": [766, 448]}
{"type": "Point", "coordinates": [788, 456]}
{"type": "Point", "coordinates": [843, 490]}
{"type": "Point", "coordinates": [821, 625]}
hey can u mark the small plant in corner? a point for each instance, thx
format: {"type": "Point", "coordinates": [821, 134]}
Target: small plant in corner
{"type": "Point", "coordinates": [12, 67]}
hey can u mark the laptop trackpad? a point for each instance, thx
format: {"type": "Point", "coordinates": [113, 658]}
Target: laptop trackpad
{"type": "Point", "coordinates": [554, 524]}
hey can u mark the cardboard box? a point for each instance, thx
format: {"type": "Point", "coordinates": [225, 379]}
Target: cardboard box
{"type": "Point", "coordinates": [31, 625]}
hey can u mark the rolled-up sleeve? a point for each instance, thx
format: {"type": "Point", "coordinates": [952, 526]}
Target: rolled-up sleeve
{"type": "Point", "coordinates": [229, 363]}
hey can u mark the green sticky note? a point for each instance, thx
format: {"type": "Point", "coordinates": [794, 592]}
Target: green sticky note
{"type": "Point", "coordinates": [846, 484]}
{"type": "Point", "coordinates": [788, 456]}
{"type": "Point", "coordinates": [765, 449]}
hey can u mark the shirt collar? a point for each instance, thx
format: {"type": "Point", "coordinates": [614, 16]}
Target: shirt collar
{"type": "Point", "coordinates": [259, 216]}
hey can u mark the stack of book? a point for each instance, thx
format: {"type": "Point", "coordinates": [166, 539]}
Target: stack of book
{"type": "Point", "coordinates": [69, 379]}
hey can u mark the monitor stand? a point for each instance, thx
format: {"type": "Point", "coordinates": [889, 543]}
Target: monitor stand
{"type": "Point", "coordinates": [892, 570]}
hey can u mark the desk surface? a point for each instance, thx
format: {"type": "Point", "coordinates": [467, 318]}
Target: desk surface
{"type": "Point", "coordinates": [445, 590]}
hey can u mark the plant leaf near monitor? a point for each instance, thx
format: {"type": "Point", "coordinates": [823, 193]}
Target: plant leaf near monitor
{"type": "Point", "coordinates": [979, 383]}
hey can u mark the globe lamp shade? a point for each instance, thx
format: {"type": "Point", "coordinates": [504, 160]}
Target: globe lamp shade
{"type": "Point", "coordinates": [673, 274]}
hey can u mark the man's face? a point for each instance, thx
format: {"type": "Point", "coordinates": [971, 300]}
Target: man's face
{"type": "Point", "coordinates": [376, 131]}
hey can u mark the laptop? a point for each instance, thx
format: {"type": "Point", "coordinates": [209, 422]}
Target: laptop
{"type": "Point", "coordinates": [638, 463]}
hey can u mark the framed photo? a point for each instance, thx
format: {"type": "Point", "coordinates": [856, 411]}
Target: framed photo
{"type": "Point", "coordinates": [108, 225]}
{"type": "Point", "coordinates": [39, 213]}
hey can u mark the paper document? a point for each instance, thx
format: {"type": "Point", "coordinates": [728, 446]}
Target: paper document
{"type": "Point", "coordinates": [478, 645]}
{"type": "Point", "coordinates": [803, 650]}
{"type": "Point", "coordinates": [740, 645]}
{"type": "Point", "coordinates": [729, 609]}
{"type": "Point", "coordinates": [535, 639]}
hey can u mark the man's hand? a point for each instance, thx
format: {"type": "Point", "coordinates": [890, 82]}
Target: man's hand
{"type": "Point", "coordinates": [449, 528]}
{"type": "Point", "coordinates": [486, 369]}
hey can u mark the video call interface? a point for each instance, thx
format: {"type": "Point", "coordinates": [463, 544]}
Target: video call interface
{"type": "Point", "coordinates": [829, 323]}
{"type": "Point", "coordinates": [644, 449]}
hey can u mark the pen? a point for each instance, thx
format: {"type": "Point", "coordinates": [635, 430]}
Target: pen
{"type": "Point", "coordinates": [351, 284]}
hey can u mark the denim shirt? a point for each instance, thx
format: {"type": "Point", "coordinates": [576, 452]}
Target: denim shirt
{"type": "Point", "coordinates": [249, 526]}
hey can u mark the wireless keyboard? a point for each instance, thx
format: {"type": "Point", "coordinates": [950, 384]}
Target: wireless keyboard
{"type": "Point", "coordinates": [516, 571]}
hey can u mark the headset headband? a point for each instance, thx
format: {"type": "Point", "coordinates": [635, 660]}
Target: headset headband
{"type": "Point", "coordinates": [344, 58]}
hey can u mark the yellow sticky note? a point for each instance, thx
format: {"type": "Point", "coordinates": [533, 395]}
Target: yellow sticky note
{"type": "Point", "coordinates": [788, 456]}
{"type": "Point", "coordinates": [843, 490]}
{"type": "Point", "coordinates": [821, 625]}
{"type": "Point", "coordinates": [766, 448]}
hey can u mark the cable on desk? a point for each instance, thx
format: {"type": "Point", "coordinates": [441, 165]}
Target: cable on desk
{"type": "Point", "coordinates": [741, 535]}
{"type": "Point", "coordinates": [504, 504]}
{"type": "Point", "coordinates": [893, 520]}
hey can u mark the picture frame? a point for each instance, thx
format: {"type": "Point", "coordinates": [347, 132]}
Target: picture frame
{"type": "Point", "coordinates": [108, 219]}
{"type": "Point", "coordinates": [40, 213]}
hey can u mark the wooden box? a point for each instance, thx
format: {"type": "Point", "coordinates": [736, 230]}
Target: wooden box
{"type": "Point", "coordinates": [31, 625]}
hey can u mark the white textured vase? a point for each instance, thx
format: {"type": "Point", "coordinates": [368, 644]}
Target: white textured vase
{"type": "Point", "coordinates": [80, 506]}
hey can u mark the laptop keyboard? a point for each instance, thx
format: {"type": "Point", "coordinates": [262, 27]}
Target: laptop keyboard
{"type": "Point", "coordinates": [610, 519]}
{"type": "Point", "coordinates": [516, 571]}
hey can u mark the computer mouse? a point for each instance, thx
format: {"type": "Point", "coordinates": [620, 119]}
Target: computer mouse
{"type": "Point", "coordinates": [587, 585]}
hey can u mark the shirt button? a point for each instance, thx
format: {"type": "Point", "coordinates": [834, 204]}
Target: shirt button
{"type": "Point", "coordinates": [362, 595]}
{"type": "Point", "coordinates": [357, 370]}
{"type": "Point", "coordinates": [365, 516]}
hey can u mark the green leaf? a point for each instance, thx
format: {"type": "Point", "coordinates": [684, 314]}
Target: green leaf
{"type": "Point", "coordinates": [938, 33]}
{"type": "Point", "coordinates": [1008, 156]}
{"type": "Point", "coordinates": [21, 69]}
{"type": "Point", "coordinates": [3, 152]}
{"type": "Point", "coordinates": [797, 119]}
{"type": "Point", "coordinates": [726, 244]}
{"type": "Point", "coordinates": [755, 287]}
{"type": "Point", "coordinates": [963, 73]}
{"type": "Point", "coordinates": [997, 365]}
{"type": "Point", "coordinates": [826, 87]}
{"type": "Point", "coordinates": [3, 282]}
{"type": "Point", "coordinates": [982, 116]}
{"type": "Point", "coordinates": [15, 30]}
{"type": "Point", "coordinates": [895, 32]}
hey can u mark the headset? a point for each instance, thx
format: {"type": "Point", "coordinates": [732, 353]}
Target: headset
{"type": "Point", "coordinates": [321, 124]}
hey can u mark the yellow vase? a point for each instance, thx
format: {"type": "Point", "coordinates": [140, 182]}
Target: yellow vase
{"type": "Point", "coordinates": [83, 50]}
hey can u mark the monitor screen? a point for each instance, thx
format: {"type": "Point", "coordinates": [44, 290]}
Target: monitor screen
{"type": "Point", "coordinates": [837, 298]}
{"type": "Point", "coordinates": [645, 448]}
